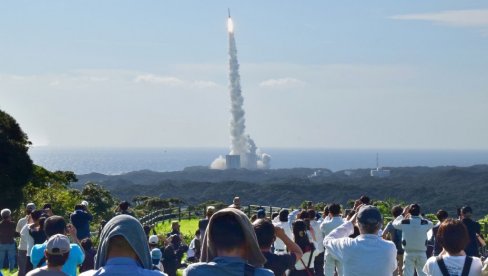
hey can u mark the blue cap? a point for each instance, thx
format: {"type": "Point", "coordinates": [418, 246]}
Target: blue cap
{"type": "Point", "coordinates": [156, 255]}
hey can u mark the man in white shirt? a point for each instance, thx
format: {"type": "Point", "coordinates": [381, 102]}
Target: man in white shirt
{"type": "Point", "coordinates": [22, 249]}
{"type": "Point", "coordinates": [326, 227]}
{"type": "Point", "coordinates": [367, 254]}
{"type": "Point", "coordinates": [281, 221]}
{"type": "Point", "coordinates": [414, 230]}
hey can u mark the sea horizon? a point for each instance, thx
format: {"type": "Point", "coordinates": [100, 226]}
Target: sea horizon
{"type": "Point", "coordinates": [119, 160]}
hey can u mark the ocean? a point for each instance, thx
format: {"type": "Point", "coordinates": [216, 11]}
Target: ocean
{"type": "Point", "coordinates": [121, 160]}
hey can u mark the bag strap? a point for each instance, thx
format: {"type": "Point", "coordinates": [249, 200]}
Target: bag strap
{"type": "Point", "coordinates": [467, 266]}
{"type": "Point", "coordinates": [249, 270]}
{"type": "Point", "coordinates": [309, 273]}
{"type": "Point", "coordinates": [442, 266]}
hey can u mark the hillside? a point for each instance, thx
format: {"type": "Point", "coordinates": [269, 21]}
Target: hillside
{"type": "Point", "coordinates": [433, 188]}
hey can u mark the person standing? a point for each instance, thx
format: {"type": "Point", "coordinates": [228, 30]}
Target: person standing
{"type": "Point", "coordinates": [395, 236]}
{"type": "Point", "coordinates": [81, 219]}
{"type": "Point", "coordinates": [229, 247]}
{"type": "Point", "coordinates": [282, 222]}
{"type": "Point", "coordinates": [22, 249]}
{"type": "Point", "coordinates": [326, 227]}
{"type": "Point", "coordinates": [56, 225]}
{"type": "Point", "coordinates": [414, 229]}
{"type": "Point", "coordinates": [202, 224]}
{"type": "Point", "coordinates": [453, 237]}
{"type": "Point", "coordinates": [367, 254]}
{"type": "Point", "coordinates": [266, 233]}
{"type": "Point", "coordinates": [474, 231]}
{"type": "Point", "coordinates": [7, 235]}
{"type": "Point", "coordinates": [56, 254]}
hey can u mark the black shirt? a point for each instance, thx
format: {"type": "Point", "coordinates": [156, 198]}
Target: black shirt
{"type": "Point", "coordinates": [279, 263]}
{"type": "Point", "coordinates": [473, 229]}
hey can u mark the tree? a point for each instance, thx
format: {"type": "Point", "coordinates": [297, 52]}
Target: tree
{"type": "Point", "coordinates": [15, 163]}
{"type": "Point", "coordinates": [101, 201]}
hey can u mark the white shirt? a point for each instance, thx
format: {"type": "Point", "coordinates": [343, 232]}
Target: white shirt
{"type": "Point", "coordinates": [20, 224]}
{"type": "Point", "coordinates": [319, 237]}
{"type": "Point", "coordinates": [27, 238]}
{"type": "Point", "coordinates": [367, 254]}
{"type": "Point", "coordinates": [454, 265]}
{"type": "Point", "coordinates": [279, 244]}
{"type": "Point", "coordinates": [414, 232]}
{"type": "Point", "coordinates": [306, 258]}
{"type": "Point", "coordinates": [328, 225]}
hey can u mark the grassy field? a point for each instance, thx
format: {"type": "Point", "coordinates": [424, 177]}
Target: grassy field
{"type": "Point", "coordinates": [187, 228]}
{"type": "Point", "coordinates": [5, 272]}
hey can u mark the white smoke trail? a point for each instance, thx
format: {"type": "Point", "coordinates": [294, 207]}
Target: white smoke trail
{"type": "Point", "coordinates": [241, 144]}
{"type": "Point", "coordinates": [238, 122]}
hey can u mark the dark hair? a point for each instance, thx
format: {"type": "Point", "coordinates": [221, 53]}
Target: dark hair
{"type": "Point", "coordinates": [300, 234]}
{"type": "Point", "coordinates": [265, 232]}
{"type": "Point", "coordinates": [365, 200]}
{"type": "Point", "coordinates": [87, 244]}
{"type": "Point", "coordinates": [302, 215]}
{"type": "Point", "coordinates": [36, 215]}
{"type": "Point", "coordinates": [311, 214]}
{"type": "Point", "coordinates": [54, 225]}
{"type": "Point", "coordinates": [226, 232]}
{"type": "Point", "coordinates": [57, 260]}
{"type": "Point", "coordinates": [396, 210]}
{"type": "Point", "coordinates": [47, 206]}
{"type": "Point", "coordinates": [326, 210]}
{"type": "Point", "coordinates": [274, 215]}
{"type": "Point", "coordinates": [79, 207]}
{"type": "Point", "coordinates": [42, 221]}
{"type": "Point", "coordinates": [284, 215]}
{"type": "Point", "coordinates": [335, 209]}
{"type": "Point", "coordinates": [466, 210]}
{"type": "Point", "coordinates": [124, 205]}
{"type": "Point", "coordinates": [442, 215]}
{"type": "Point", "coordinates": [453, 235]}
{"type": "Point", "coordinates": [414, 209]}
{"type": "Point", "coordinates": [197, 233]}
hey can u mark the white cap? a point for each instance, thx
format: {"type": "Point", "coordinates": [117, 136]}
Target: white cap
{"type": "Point", "coordinates": [30, 206]}
{"type": "Point", "coordinates": [84, 203]}
{"type": "Point", "coordinates": [153, 239]}
{"type": "Point", "coordinates": [58, 245]}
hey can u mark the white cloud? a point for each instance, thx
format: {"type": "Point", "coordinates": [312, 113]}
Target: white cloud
{"type": "Point", "coordinates": [150, 78]}
{"type": "Point", "coordinates": [282, 82]}
{"type": "Point", "coordinates": [457, 18]}
{"type": "Point", "coordinates": [174, 81]}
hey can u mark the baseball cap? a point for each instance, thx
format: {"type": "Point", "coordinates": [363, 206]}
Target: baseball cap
{"type": "Point", "coordinates": [5, 213]}
{"type": "Point", "coordinates": [153, 239]}
{"type": "Point", "coordinates": [261, 213]}
{"type": "Point", "coordinates": [58, 245]}
{"type": "Point", "coordinates": [156, 256]}
{"type": "Point", "coordinates": [31, 206]}
{"type": "Point", "coordinates": [369, 215]}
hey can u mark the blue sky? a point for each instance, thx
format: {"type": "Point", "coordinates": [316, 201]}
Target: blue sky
{"type": "Point", "coordinates": [332, 74]}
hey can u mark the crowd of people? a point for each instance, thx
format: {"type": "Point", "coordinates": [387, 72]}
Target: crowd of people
{"type": "Point", "coordinates": [227, 242]}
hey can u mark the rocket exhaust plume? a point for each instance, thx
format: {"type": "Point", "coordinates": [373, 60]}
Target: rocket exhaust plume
{"type": "Point", "coordinates": [241, 144]}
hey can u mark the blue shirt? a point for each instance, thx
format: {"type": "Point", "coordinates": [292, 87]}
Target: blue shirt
{"type": "Point", "coordinates": [122, 266]}
{"type": "Point", "coordinates": [81, 221]}
{"type": "Point", "coordinates": [223, 266]}
{"type": "Point", "coordinates": [76, 257]}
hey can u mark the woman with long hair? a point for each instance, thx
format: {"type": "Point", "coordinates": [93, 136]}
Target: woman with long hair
{"type": "Point", "coordinates": [305, 265]}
